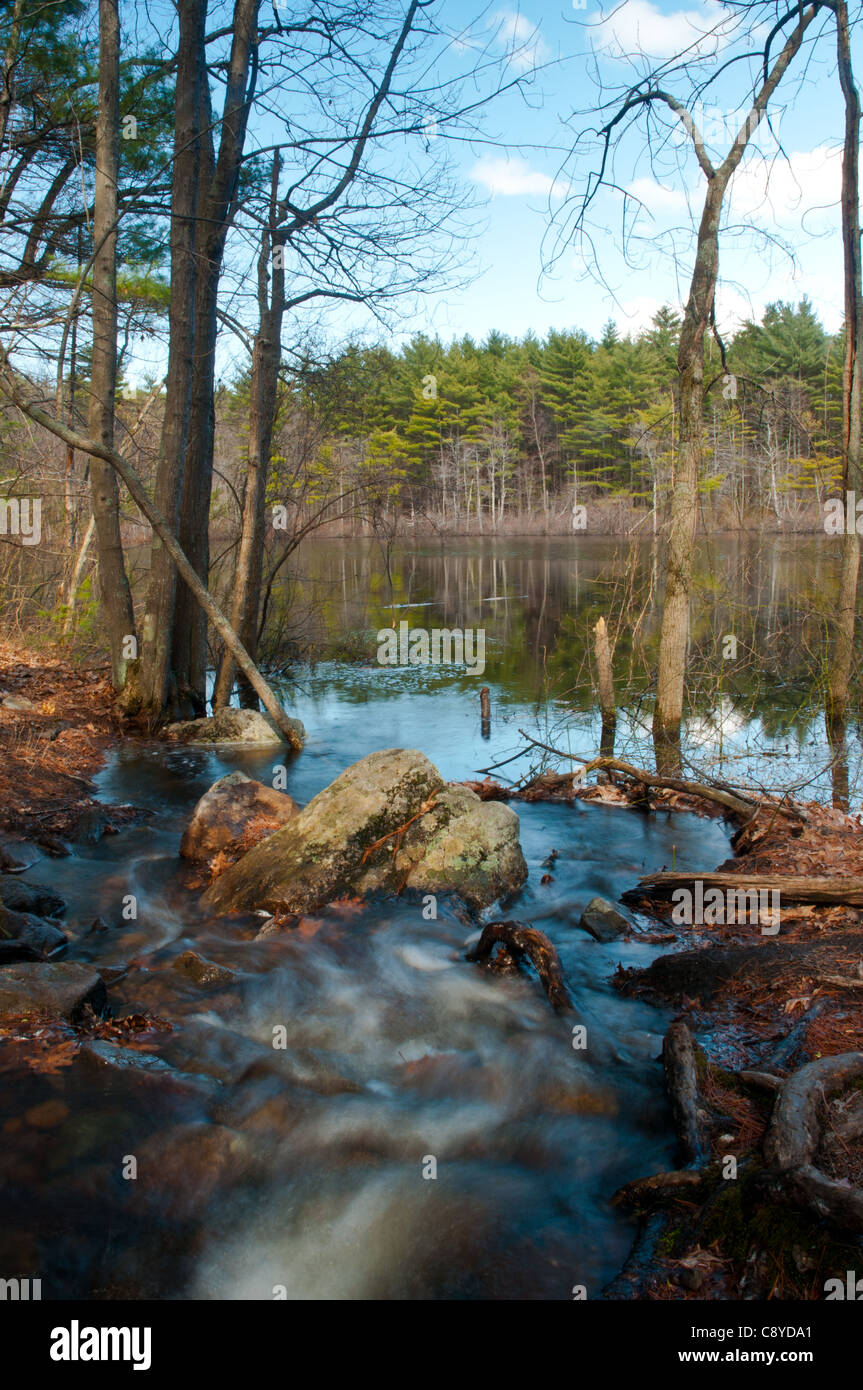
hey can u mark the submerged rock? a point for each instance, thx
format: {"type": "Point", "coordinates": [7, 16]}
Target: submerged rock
{"type": "Point", "coordinates": [234, 726]}
{"type": "Point", "coordinates": [225, 813]}
{"type": "Point", "coordinates": [387, 822]}
{"type": "Point", "coordinates": [602, 919]}
{"type": "Point", "coordinates": [91, 825]}
{"type": "Point", "coordinates": [62, 990]}
{"type": "Point", "coordinates": [24, 927]}
{"type": "Point", "coordinates": [29, 897]}
{"type": "Point", "coordinates": [202, 972]}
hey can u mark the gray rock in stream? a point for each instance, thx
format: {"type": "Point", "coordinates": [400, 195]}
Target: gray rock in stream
{"type": "Point", "coordinates": [602, 919]}
{"type": "Point", "coordinates": [388, 822]}
{"type": "Point", "coordinates": [245, 726]}
{"type": "Point", "coordinates": [62, 990]}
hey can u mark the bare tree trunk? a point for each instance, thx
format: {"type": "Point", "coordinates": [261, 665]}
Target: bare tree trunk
{"type": "Point", "coordinates": [836, 706]}
{"type": "Point", "coordinates": [161, 598]}
{"type": "Point", "coordinates": [605, 680]}
{"type": "Point", "coordinates": [114, 588]}
{"type": "Point", "coordinates": [266, 361]}
{"type": "Point", "coordinates": [674, 637]}
{"type": "Point", "coordinates": [218, 182]}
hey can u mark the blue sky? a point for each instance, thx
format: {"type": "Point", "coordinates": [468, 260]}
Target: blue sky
{"type": "Point", "coordinates": [523, 178]}
{"type": "Point", "coordinates": [790, 198]}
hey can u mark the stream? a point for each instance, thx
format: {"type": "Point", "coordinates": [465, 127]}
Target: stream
{"type": "Point", "coordinates": [205, 1162]}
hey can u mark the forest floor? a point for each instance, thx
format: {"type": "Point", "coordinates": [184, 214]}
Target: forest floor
{"type": "Point", "coordinates": [56, 725]}
{"type": "Point", "coordinates": [761, 1004]}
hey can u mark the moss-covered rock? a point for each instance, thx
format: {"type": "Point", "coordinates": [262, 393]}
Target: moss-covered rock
{"type": "Point", "coordinates": [387, 822]}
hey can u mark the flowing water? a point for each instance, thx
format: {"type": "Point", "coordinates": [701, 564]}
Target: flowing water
{"type": "Point", "coordinates": [426, 1130]}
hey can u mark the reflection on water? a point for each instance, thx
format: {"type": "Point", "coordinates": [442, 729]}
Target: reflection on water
{"type": "Point", "coordinates": [756, 702]}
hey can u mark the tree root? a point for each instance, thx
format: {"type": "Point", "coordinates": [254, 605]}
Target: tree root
{"type": "Point", "coordinates": [641, 1263]}
{"type": "Point", "coordinates": [661, 1187]}
{"type": "Point", "coordinates": [519, 940]}
{"type": "Point", "coordinates": [793, 1137]}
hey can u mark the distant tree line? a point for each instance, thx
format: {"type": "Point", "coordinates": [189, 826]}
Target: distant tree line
{"type": "Point", "coordinates": [482, 436]}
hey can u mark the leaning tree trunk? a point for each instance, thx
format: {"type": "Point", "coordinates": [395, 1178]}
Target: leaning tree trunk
{"type": "Point", "coordinates": [152, 696]}
{"type": "Point", "coordinates": [161, 527]}
{"type": "Point", "coordinates": [836, 707]}
{"type": "Point", "coordinates": [114, 588]}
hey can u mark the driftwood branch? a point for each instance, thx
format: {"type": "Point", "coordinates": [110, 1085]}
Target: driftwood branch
{"type": "Point", "coordinates": [737, 803]}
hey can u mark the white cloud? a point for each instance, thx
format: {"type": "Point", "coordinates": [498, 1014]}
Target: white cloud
{"type": "Point", "coordinates": [656, 198]}
{"type": "Point", "coordinates": [801, 191]}
{"type": "Point", "coordinates": [640, 27]}
{"type": "Point", "coordinates": [511, 178]}
{"type": "Point", "coordinates": [521, 39]}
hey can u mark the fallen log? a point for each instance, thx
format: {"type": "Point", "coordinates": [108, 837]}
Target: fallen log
{"type": "Point", "coordinates": [681, 1078]}
{"type": "Point", "coordinates": [520, 941]}
{"type": "Point", "coordinates": [795, 888]}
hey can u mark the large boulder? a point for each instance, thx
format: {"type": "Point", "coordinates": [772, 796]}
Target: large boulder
{"type": "Point", "coordinates": [461, 845]}
{"type": "Point", "coordinates": [388, 821]}
{"type": "Point", "coordinates": [247, 726]}
{"type": "Point", "coordinates": [50, 991]}
{"type": "Point", "coordinates": [234, 806]}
